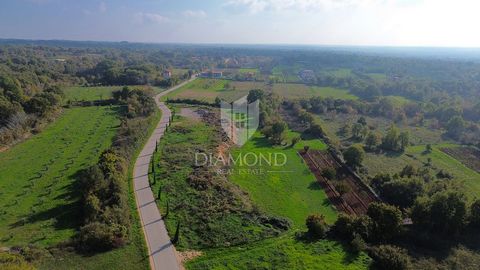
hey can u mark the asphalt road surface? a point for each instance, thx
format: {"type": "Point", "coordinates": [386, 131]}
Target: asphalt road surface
{"type": "Point", "coordinates": [162, 253]}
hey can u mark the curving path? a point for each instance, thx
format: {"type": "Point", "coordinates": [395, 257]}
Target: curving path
{"type": "Point", "coordinates": [161, 251]}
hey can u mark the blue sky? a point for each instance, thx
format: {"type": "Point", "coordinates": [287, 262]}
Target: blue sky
{"type": "Point", "coordinates": [328, 22]}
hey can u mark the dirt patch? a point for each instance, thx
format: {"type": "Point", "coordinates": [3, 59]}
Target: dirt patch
{"type": "Point", "coordinates": [190, 113]}
{"type": "Point", "coordinates": [469, 156]}
{"type": "Point", "coordinates": [188, 255]}
{"type": "Point", "coordinates": [356, 200]}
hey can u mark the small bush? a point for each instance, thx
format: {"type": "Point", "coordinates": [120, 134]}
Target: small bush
{"type": "Point", "coordinates": [317, 227]}
{"type": "Point", "coordinates": [390, 257]}
{"type": "Point", "coordinates": [100, 237]}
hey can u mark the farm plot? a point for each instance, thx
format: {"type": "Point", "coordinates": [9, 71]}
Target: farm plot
{"type": "Point", "coordinates": [39, 200]}
{"type": "Point", "coordinates": [355, 199]}
{"type": "Point", "coordinates": [467, 155]}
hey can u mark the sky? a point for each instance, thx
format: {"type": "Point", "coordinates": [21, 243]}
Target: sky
{"type": "Point", "coordinates": [438, 23]}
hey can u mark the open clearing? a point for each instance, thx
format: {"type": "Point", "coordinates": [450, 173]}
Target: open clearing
{"type": "Point", "coordinates": [297, 91]}
{"type": "Point", "coordinates": [81, 93]}
{"type": "Point", "coordinates": [291, 190]}
{"type": "Point", "coordinates": [208, 89]}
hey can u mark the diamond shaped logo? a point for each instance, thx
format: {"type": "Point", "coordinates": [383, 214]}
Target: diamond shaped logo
{"type": "Point", "coordinates": [240, 119]}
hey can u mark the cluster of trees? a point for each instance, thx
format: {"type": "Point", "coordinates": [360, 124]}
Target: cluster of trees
{"type": "Point", "coordinates": [20, 113]}
{"type": "Point", "coordinates": [139, 103]}
{"type": "Point", "coordinates": [106, 213]}
{"type": "Point", "coordinates": [381, 224]}
{"type": "Point", "coordinates": [458, 122]}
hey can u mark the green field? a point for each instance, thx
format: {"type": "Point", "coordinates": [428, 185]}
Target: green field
{"type": "Point", "coordinates": [39, 198]}
{"type": "Point", "coordinates": [80, 93]}
{"type": "Point", "coordinates": [291, 190]}
{"type": "Point", "coordinates": [209, 89]}
{"type": "Point", "coordinates": [415, 155]}
{"type": "Point", "coordinates": [39, 202]}
{"type": "Point", "coordinates": [248, 70]}
{"type": "Point", "coordinates": [282, 253]}
{"type": "Point", "coordinates": [298, 91]}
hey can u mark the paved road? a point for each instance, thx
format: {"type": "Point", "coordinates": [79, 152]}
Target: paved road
{"type": "Point", "coordinates": [161, 251]}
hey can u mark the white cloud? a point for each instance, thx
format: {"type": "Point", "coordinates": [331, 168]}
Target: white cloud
{"type": "Point", "coordinates": [142, 17]}
{"type": "Point", "coordinates": [195, 13]}
{"type": "Point", "coordinates": [255, 6]}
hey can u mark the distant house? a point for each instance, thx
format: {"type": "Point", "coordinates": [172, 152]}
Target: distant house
{"type": "Point", "coordinates": [211, 74]}
{"type": "Point", "coordinates": [167, 74]}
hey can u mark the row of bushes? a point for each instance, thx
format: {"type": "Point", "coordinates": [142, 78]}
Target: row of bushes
{"type": "Point", "coordinates": [106, 213]}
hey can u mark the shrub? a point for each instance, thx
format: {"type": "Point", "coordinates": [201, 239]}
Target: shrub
{"type": "Point", "coordinates": [390, 257]}
{"type": "Point", "coordinates": [354, 155]}
{"type": "Point", "coordinates": [317, 227]}
{"type": "Point", "coordinates": [358, 244]}
{"type": "Point", "coordinates": [96, 236]}
{"type": "Point", "coordinates": [386, 221]}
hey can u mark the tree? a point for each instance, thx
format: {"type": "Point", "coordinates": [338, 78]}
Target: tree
{"type": "Point", "coordinates": [386, 221]}
{"type": "Point", "coordinates": [391, 140]}
{"type": "Point", "coordinates": [354, 155]}
{"type": "Point", "coordinates": [276, 132]}
{"type": "Point", "coordinates": [402, 192]}
{"type": "Point", "coordinates": [404, 140]}
{"type": "Point", "coordinates": [455, 127]}
{"type": "Point", "coordinates": [373, 140]}
{"type": "Point", "coordinates": [428, 148]}
{"type": "Point", "coordinates": [445, 212]}
{"type": "Point", "coordinates": [390, 257]}
{"type": "Point", "coordinates": [475, 214]}
{"type": "Point", "coordinates": [316, 130]}
{"type": "Point", "coordinates": [359, 131]}
{"type": "Point", "coordinates": [255, 94]}
{"type": "Point", "coordinates": [317, 227]}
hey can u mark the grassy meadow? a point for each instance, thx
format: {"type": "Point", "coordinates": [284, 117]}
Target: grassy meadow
{"type": "Point", "coordinates": [80, 93]}
{"type": "Point", "coordinates": [209, 89]}
{"type": "Point", "coordinates": [39, 202]}
{"type": "Point", "coordinates": [39, 198]}
{"type": "Point", "coordinates": [290, 191]}
{"type": "Point", "coordinates": [298, 91]}
{"type": "Point", "coordinates": [283, 252]}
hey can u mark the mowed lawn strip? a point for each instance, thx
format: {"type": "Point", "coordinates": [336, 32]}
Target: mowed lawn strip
{"type": "Point", "coordinates": [39, 200]}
